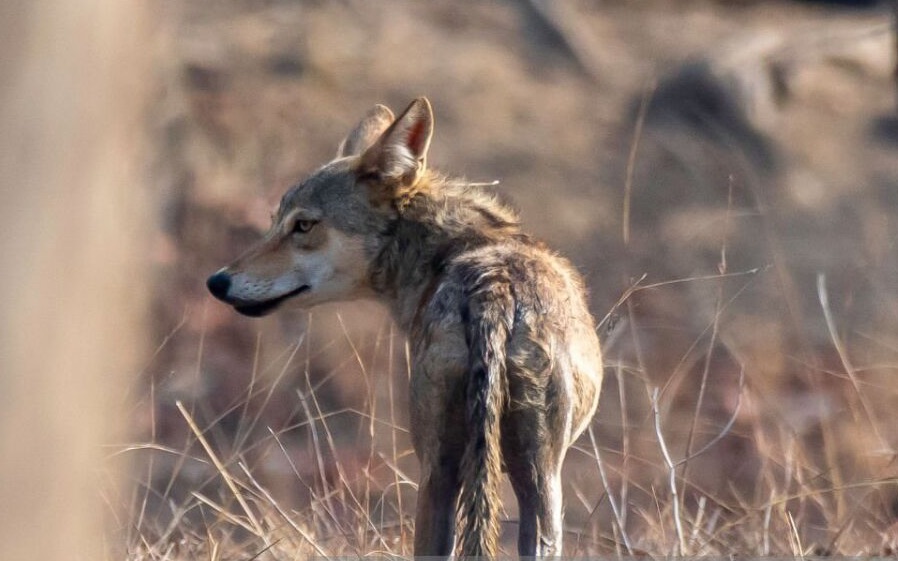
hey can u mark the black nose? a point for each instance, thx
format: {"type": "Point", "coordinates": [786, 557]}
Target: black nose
{"type": "Point", "coordinates": [218, 284]}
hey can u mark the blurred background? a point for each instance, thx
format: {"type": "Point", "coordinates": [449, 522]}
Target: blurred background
{"type": "Point", "coordinates": [75, 219]}
{"type": "Point", "coordinates": [724, 174]}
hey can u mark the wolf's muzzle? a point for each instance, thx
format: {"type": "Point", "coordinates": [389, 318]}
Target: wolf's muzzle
{"type": "Point", "coordinates": [219, 285]}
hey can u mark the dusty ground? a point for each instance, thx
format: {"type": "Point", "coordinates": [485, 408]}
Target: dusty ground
{"type": "Point", "coordinates": [729, 165]}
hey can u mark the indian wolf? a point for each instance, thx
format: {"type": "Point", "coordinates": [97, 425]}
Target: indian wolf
{"type": "Point", "coordinates": [506, 367]}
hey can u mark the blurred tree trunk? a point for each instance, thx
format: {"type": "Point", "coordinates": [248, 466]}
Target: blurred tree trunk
{"type": "Point", "coordinates": [72, 89]}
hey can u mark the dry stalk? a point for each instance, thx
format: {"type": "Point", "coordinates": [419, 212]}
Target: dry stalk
{"type": "Point", "coordinates": [672, 476]}
{"type": "Point", "coordinates": [222, 470]}
{"type": "Point", "coordinates": [288, 519]}
{"type": "Point", "coordinates": [823, 296]}
{"type": "Point", "coordinates": [615, 509]}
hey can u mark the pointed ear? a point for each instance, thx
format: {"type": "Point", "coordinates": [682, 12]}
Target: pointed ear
{"type": "Point", "coordinates": [369, 129]}
{"type": "Point", "coordinates": [401, 151]}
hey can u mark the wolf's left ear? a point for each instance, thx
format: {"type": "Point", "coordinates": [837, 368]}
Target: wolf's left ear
{"type": "Point", "coordinates": [369, 129]}
{"type": "Point", "coordinates": [400, 153]}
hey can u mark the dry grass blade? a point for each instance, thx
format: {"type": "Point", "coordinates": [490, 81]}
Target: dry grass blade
{"type": "Point", "coordinates": [256, 528]}
{"type": "Point", "coordinates": [748, 272]}
{"type": "Point", "coordinates": [727, 427]}
{"type": "Point", "coordinates": [823, 295]}
{"type": "Point", "coordinates": [287, 518]}
{"type": "Point", "coordinates": [223, 512]}
{"type": "Point", "coordinates": [647, 93]}
{"type": "Point", "coordinates": [615, 509]}
{"type": "Point", "coordinates": [634, 287]}
{"type": "Point", "coordinates": [794, 537]}
{"type": "Point", "coordinates": [672, 475]}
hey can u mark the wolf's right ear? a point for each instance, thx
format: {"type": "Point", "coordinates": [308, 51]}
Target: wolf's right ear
{"type": "Point", "coordinates": [399, 155]}
{"type": "Point", "coordinates": [369, 129]}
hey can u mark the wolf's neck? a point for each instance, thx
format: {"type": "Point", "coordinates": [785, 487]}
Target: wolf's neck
{"type": "Point", "coordinates": [436, 225]}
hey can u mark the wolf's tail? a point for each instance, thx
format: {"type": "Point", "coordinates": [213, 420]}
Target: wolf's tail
{"type": "Point", "coordinates": [490, 313]}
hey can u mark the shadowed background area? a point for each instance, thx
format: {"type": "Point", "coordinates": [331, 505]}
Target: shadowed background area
{"type": "Point", "coordinates": [723, 173]}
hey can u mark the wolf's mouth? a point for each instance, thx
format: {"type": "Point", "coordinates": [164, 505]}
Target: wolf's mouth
{"type": "Point", "coordinates": [257, 309]}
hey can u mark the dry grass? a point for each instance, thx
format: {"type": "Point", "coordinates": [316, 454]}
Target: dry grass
{"type": "Point", "coordinates": [639, 494]}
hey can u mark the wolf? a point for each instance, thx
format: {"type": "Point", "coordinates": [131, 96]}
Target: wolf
{"type": "Point", "coordinates": [506, 366]}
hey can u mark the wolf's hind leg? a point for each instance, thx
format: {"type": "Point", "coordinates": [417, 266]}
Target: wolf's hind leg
{"type": "Point", "coordinates": [435, 516]}
{"type": "Point", "coordinates": [539, 503]}
{"type": "Point", "coordinates": [533, 446]}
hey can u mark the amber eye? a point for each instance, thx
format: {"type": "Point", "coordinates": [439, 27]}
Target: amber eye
{"type": "Point", "coordinates": [303, 226]}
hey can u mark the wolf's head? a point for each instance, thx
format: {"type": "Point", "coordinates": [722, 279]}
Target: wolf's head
{"type": "Point", "coordinates": [331, 225]}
